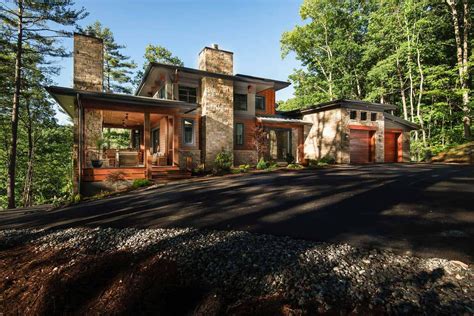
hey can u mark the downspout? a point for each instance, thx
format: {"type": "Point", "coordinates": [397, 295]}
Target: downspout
{"type": "Point", "coordinates": [80, 145]}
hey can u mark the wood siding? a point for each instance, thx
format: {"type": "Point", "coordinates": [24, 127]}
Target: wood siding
{"type": "Point", "coordinates": [269, 95]}
{"type": "Point", "coordinates": [360, 146]}
{"type": "Point", "coordinates": [100, 174]}
{"type": "Point", "coordinates": [249, 131]}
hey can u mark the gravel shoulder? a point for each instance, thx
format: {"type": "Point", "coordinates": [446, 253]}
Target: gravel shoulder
{"type": "Point", "coordinates": [208, 272]}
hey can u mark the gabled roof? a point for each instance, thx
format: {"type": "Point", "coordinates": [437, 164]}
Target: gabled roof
{"type": "Point", "coordinates": [66, 98]}
{"type": "Point", "coordinates": [401, 121]}
{"type": "Point", "coordinates": [278, 84]}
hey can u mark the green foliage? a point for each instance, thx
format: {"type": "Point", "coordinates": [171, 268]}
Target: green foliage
{"type": "Point", "coordinates": [241, 169]}
{"type": "Point", "coordinates": [329, 160]}
{"type": "Point", "coordinates": [289, 158]}
{"type": "Point", "coordinates": [398, 52]}
{"type": "Point", "coordinates": [294, 166]}
{"type": "Point", "coordinates": [116, 179]}
{"type": "Point", "coordinates": [223, 161]}
{"type": "Point", "coordinates": [157, 54]}
{"type": "Point", "coordinates": [199, 171]}
{"type": "Point", "coordinates": [262, 164]}
{"type": "Point", "coordinates": [138, 183]}
{"type": "Point", "coordinates": [118, 69]}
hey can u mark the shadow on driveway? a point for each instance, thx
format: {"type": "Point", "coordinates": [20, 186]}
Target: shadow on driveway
{"type": "Point", "coordinates": [426, 210]}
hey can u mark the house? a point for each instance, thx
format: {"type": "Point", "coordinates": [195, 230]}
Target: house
{"type": "Point", "coordinates": [178, 118]}
{"type": "Point", "coordinates": [182, 117]}
{"type": "Point", "coordinates": [355, 132]}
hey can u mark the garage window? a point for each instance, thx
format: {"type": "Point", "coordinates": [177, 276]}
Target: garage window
{"type": "Point", "coordinates": [353, 115]}
{"type": "Point", "coordinates": [373, 116]}
{"type": "Point", "coordinates": [363, 116]}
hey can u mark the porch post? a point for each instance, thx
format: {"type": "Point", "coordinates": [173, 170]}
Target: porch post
{"type": "Point", "coordinates": [300, 152]}
{"type": "Point", "coordinates": [147, 153]}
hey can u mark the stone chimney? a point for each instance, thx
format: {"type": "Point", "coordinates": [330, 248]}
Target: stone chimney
{"type": "Point", "coordinates": [88, 62]}
{"type": "Point", "coordinates": [217, 104]}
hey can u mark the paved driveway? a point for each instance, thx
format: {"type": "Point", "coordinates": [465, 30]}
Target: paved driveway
{"type": "Point", "coordinates": [424, 209]}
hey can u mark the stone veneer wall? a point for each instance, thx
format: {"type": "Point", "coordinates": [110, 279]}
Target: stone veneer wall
{"type": "Point", "coordinates": [88, 63]}
{"type": "Point", "coordinates": [217, 105]}
{"type": "Point", "coordinates": [243, 157]}
{"type": "Point", "coordinates": [379, 124]}
{"type": "Point", "coordinates": [92, 132]}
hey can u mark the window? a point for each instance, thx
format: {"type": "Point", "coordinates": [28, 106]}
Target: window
{"type": "Point", "coordinates": [240, 102]}
{"type": "Point", "coordinates": [136, 139]}
{"type": "Point", "coordinates": [353, 115]}
{"type": "Point", "coordinates": [239, 134]}
{"type": "Point", "coordinates": [373, 116]}
{"type": "Point", "coordinates": [162, 92]}
{"type": "Point", "coordinates": [188, 131]}
{"type": "Point", "coordinates": [260, 102]}
{"type": "Point", "coordinates": [363, 116]}
{"type": "Point", "coordinates": [187, 94]}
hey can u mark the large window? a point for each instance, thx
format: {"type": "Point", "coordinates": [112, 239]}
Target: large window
{"type": "Point", "coordinates": [239, 134]}
{"type": "Point", "coordinates": [363, 116]}
{"type": "Point", "coordinates": [260, 102]}
{"type": "Point", "coordinates": [187, 94]}
{"type": "Point", "coordinates": [162, 92]}
{"type": "Point", "coordinates": [353, 115]}
{"type": "Point", "coordinates": [240, 102]}
{"type": "Point", "coordinates": [188, 131]}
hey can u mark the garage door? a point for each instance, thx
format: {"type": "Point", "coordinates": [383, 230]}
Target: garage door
{"type": "Point", "coordinates": [391, 151]}
{"type": "Point", "coordinates": [360, 146]}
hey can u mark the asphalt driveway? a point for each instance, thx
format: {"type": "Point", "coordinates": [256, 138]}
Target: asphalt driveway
{"type": "Point", "coordinates": [427, 210]}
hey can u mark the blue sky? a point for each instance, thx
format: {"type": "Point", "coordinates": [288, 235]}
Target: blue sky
{"type": "Point", "coordinates": [251, 29]}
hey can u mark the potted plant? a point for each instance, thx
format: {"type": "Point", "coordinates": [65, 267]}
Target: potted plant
{"type": "Point", "coordinates": [97, 162]}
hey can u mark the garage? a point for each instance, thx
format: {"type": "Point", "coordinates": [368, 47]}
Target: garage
{"type": "Point", "coordinates": [361, 146]}
{"type": "Point", "coordinates": [391, 147]}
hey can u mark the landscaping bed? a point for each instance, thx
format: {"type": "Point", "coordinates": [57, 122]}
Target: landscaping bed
{"type": "Point", "coordinates": [180, 271]}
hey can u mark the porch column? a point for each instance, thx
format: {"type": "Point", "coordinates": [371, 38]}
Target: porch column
{"type": "Point", "coordinates": [300, 151]}
{"type": "Point", "coordinates": [147, 153]}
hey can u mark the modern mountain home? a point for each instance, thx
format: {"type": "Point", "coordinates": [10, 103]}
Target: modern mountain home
{"type": "Point", "coordinates": [181, 117]}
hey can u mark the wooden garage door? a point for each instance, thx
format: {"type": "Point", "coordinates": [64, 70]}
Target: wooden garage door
{"type": "Point", "coordinates": [360, 146]}
{"type": "Point", "coordinates": [391, 151]}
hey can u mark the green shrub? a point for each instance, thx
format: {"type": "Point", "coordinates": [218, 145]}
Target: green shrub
{"type": "Point", "coordinates": [272, 166]}
{"type": "Point", "coordinates": [223, 161]}
{"type": "Point", "coordinates": [262, 164]}
{"type": "Point", "coordinates": [241, 169]}
{"type": "Point", "coordinates": [138, 183]}
{"type": "Point", "coordinates": [289, 158]}
{"type": "Point", "coordinates": [199, 171]}
{"type": "Point", "coordinates": [328, 160]}
{"type": "Point", "coordinates": [294, 166]}
{"type": "Point", "coordinates": [76, 198]}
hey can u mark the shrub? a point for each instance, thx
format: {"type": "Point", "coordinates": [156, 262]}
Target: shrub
{"type": "Point", "coordinates": [262, 164]}
{"type": "Point", "coordinates": [241, 169]}
{"type": "Point", "coordinates": [328, 160]}
{"type": "Point", "coordinates": [116, 178]}
{"type": "Point", "coordinates": [199, 171]}
{"type": "Point", "coordinates": [223, 161]}
{"type": "Point", "coordinates": [289, 158]}
{"type": "Point", "coordinates": [294, 166]}
{"type": "Point", "coordinates": [138, 183]}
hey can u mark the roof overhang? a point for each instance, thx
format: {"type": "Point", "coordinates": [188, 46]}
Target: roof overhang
{"type": "Point", "coordinates": [349, 104]}
{"type": "Point", "coordinates": [281, 120]}
{"type": "Point", "coordinates": [398, 120]}
{"type": "Point", "coordinates": [276, 84]}
{"type": "Point", "coordinates": [67, 97]}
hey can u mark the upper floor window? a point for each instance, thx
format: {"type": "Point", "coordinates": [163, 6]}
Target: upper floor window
{"type": "Point", "coordinates": [353, 115]}
{"type": "Point", "coordinates": [239, 134]}
{"type": "Point", "coordinates": [187, 94]}
{"type": "Point", "coordinates": [162, 92]}
{"type": "Point", "coordinates": [240, 102]}
{"type": "Point", "coordinates": [363, 116]}
{"type": "Point", "coordinates": [188, 131]}
{"type": "Point", "coordinates": [260, 102]}
{"type": "Point", "coordinates": [373, 116]}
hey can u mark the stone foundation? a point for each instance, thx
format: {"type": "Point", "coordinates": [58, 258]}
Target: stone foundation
{"type": "Point", "coordinates": [243, 157]}
{"type": "Point", "coordinates": [183, 156]}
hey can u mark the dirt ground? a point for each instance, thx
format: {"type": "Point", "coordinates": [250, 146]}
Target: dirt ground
{"type": "Point", "coordinates": [59, 283]}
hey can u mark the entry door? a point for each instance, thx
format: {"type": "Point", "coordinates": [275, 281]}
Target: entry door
{"type": "Point", "coordinates": [359, 146]}
{"type": "Point", "coordinates": [391, 147]}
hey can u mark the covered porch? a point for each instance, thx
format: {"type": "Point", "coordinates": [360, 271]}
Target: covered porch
{"type": "Point", "coordinates": [137, 137]}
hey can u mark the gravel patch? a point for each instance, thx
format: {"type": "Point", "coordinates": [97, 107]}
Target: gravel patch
{"type": "Point", "coordinates": [245, 265]}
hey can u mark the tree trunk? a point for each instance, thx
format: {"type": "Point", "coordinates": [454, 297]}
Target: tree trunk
{"type": "Point", "coordinates": [402, 90]}
{"type": "Point", "coordinates": [15, 110]}
{"type": "Point", "coordinates": [27, 188]}
{"type": "Point", "coordinates": [462, 56]}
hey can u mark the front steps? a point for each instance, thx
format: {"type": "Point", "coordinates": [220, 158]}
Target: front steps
{"type": "Point", "coordinates": [168, 173]}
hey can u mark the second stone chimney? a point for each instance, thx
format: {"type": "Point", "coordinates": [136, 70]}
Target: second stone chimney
{"type": "Point", "coordinates": [88, 62]}
{"type": "Point", "coordinates": [217, 104]}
